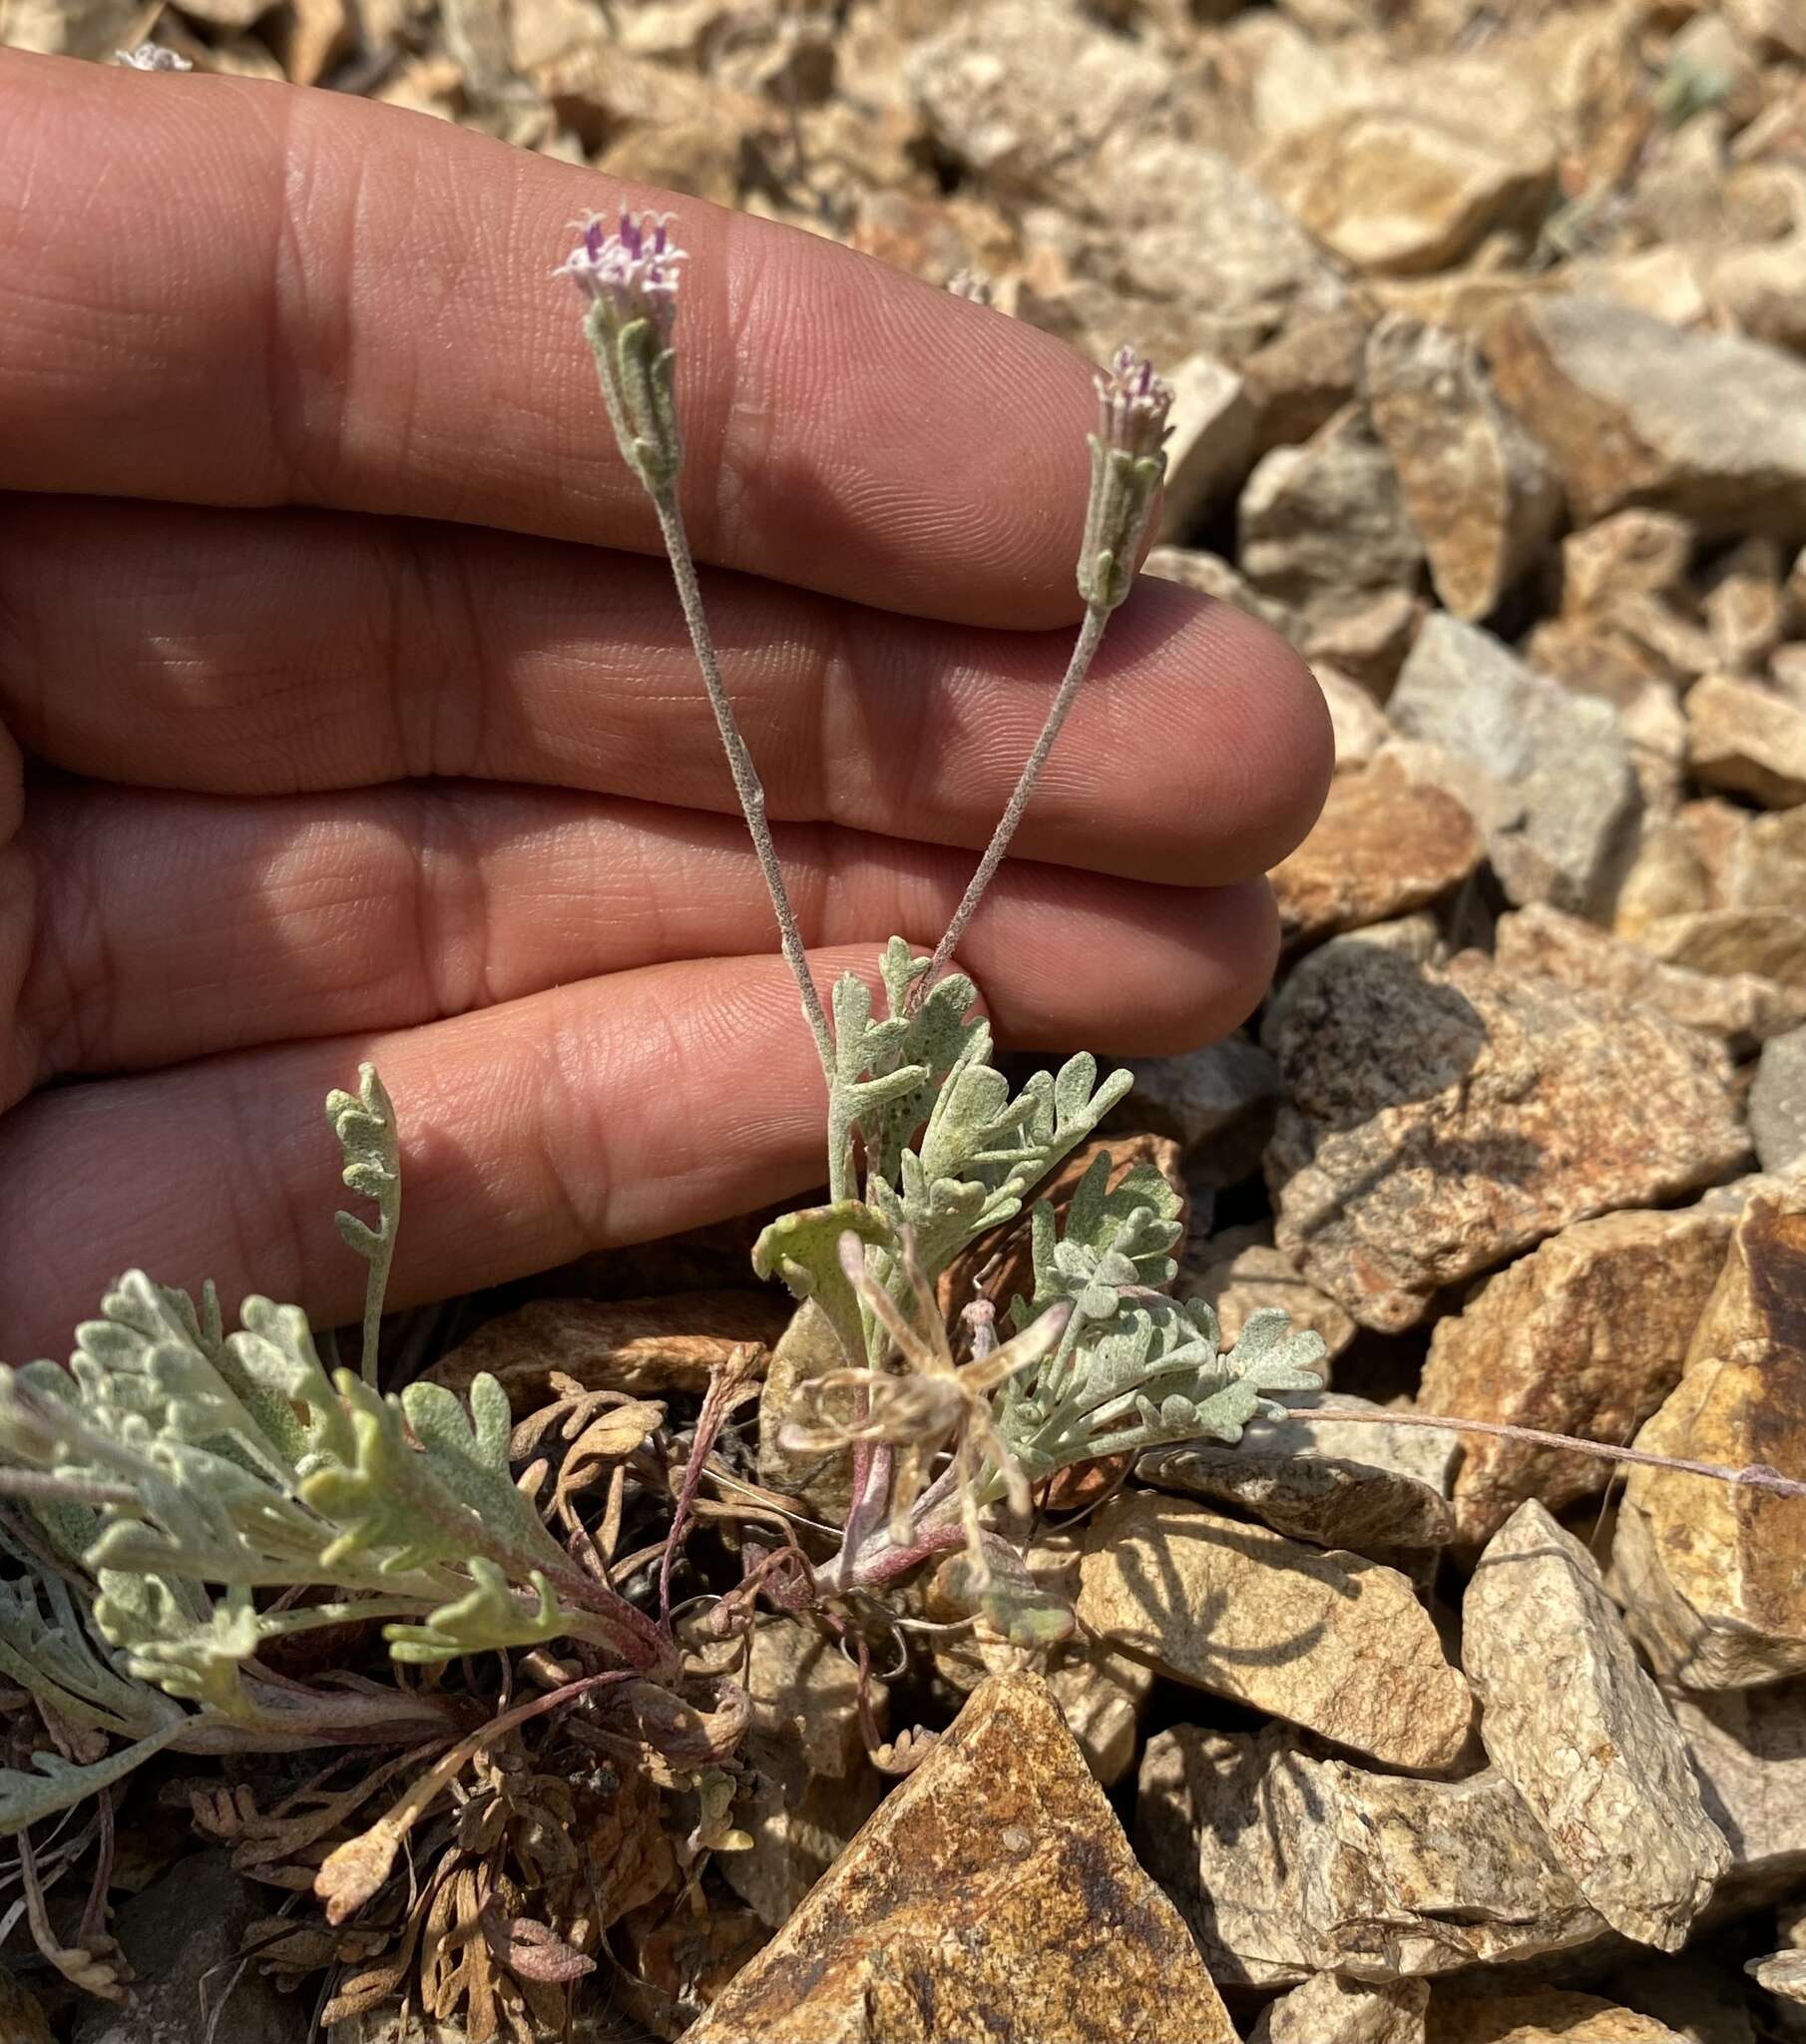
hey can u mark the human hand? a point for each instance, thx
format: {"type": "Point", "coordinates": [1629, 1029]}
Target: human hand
{"type": "Point", "coordinates": [351, 714]}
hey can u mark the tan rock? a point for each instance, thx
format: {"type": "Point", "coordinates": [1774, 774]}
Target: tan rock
{"type": "Point", "coordinates": [1368, 643]}
{"type": "Point", "coordinates": [1760, 290]}
{"type": "Point", "coordinates": [1216, 1103]}
{"type": "Point", "coordinates": [807, 1349]}
{"type": "Point", "coordinates": [1325, 526]}
{"type": "Point", "coordinates": [1764, 864]}
{"type": "Point", "coordinates": [1329, 1641]}
{"type": "Point", "coordinates": [1478, 488]}
{"type": "Point", "coordinates": [1550, 2016]}
{"type": "Point", "coordinates": [1301, 378]}
{"type": "Point", "coordinates": [803, 1695]}
{"type": "Point", "coordinates": [1777, 1102]}
{"type": "Point", "coordinates": [993, 1894]}
{"type": "Point", "coordinates": [1401, 193]}
{"type": "Point", "coordinates": [1747, 738]}
{"type": "Point", "coordinates": [1578, 1726]}
{"type": "Point", "coordinates": [1767, 943]}
{"type": "Point", "coordinates": [1586, 655]}
{"type": "Point", "coordinates": [1782, 1973]}
{"type": "Point", "coordinates": [1349, 2011]}
{"type": "Point", "coordinates": [641, 1345]}
{"type": "Point", "coordinates": [1240, 1277]}
{"type": "Point", "coordinates": [1382, 846]}
{"type": "Point", "coordinates": [1743, 605]}
{"type": "Point", "coordinates": [1286, 1865]}
{"type": "Point", "coordinates": [1742, 1007]}
{"type": "Point", "coordinates": [1436, 1122]}
{"type": "Point", "coordinates": [1748, 1749]}
{"type": "Point", "coordinates": [1638, 552]}
{"type": "Point", "coordinates": [1617, 1299]}
{"type": "Point", "coordinates": [93, 29]}
{"type": "Point", "coordinates": [1211, 575]}
{"type": "Point", "coordinates": [1359, 724]}
{"type": "Point", "coordinates": [1634, 412]}
{"type": "Point", "coordinates": [1562, 823]}
{"type": "Point", "coordinates": [1211, 447]}
{"type": "Point", "coordinates": [1712, 1576]}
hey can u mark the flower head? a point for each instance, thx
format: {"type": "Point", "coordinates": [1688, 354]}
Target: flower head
{"type": "Point", "coordinates": [1128, 461]}
{"type": "Point", "coordinates": [632, 273]}
{"type": "Point", "coordinates": [1133, 404]}
{"type": "Point", "coordinates": [153, 57]}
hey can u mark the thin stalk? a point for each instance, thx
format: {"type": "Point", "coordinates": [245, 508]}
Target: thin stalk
{"type": "Point", "coordinates": [746, 774]}
{"type": "Point", "coordinates": [1757, 1475]}
{"type": "Point", "coordinates": [1090, 633]}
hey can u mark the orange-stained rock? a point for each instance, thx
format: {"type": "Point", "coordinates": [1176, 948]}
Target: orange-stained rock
{"type": "Point", "coordinates": [992, 1894]}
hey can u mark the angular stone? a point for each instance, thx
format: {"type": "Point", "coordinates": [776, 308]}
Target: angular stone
{"type": "Point", "coordinates": [1382, 846]}
{"type": "Point", "coordinates": [1217, 1102]}
{"type": "Point", "coordinates": [1435, 1122]}
{"type": "Point", "coordinates": [991, 1894]}
{"type": "Point", "coordinates": [1634, 412]}
{"type": "Point", "coordinates": [1285, 1866]}
{"type": "Point", "coordinates": [1325, 526]}
{"type": "Point", "coordinates": [1764, 864]}
{"type": "Point", "coordinates": [1479, 489]}
{"type": "Point", "coordinates": [1777, 1102]}
{"type": "Point", "coordinates": [1748, 738]}
{"type": "Point", "coordinates": [1400, 193]}
{"type": "Point", "coordinates": [1782, 1973]}
{"type": "Point", "coordinates": [1578, 1726]}
{"type": "Point", "coordinates": [1241, 1272]}
{"type": "Point", "coordinates": [641, 1345]}
{"type": "Point", "coordinates": [1359, 724]}
{"type": "Point", "coordinates": [1211, 575]}
{"type": "Point", "coordinates": [807, 1349]}
{"type": "Point", "coordinates": [1584, 654]}
{"type": "Point", "coordinates": [1742, 1007]}
{"type": "Point", "coordinates": [1743, 605]}
{"type": "Point", "coordinates": [1552, 2015]}
{"type": "Point", "coordinates": [1343, 1427]}
{"type": "Point", "coordinates": [1565, 826]}
{"type": "Point", "coordinates": [1712, 1576]}
{"type": "Point", "coordinates": [1368, 643]}
{"type": "Point", "coordinates": [1630, 553]}
{"type": "Point", "coordinates": [1328, 1500]}
{"type": "Point", "coordinates": [1348, 2011]}
{"type": "Point", "coordinates": [1748, 1749]}
{"type": "Point", "coordinates": [1617, 1299]}
{"type": "Point", "coordinates": [1211, 447]}
{"type": "Point", "coordinates": [1023, 93]}
{"type": "Point", "coordinates": [1768, 942]}
{"type": "Point", "coordinates": [1328, 1641]}
{"type": "Point", "coordinates": [1301, 378]}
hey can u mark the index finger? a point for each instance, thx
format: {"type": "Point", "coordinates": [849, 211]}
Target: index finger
{"type": "Point", "coordinates": [223, 291]}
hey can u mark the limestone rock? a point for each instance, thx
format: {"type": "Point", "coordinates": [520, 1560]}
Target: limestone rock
{"type": "Point", "coordinates": [1325, 526]}
{"type": "Point", "coordinates": [1745, 1008]}
{"type": "Point", "coordinates": [1765, 860]}
{"type": "Point", "coordinates": [1565, 827]}
{"type": "Point", "coordinates": [1743, 605]}
{"type": "Point", "coordinates": [1777, 1102]}
{"type": "Point", "coordinates": [1329, 1641]}
{"type": "Point", "coordinates": [1748, 738]}
{"type": "Point", "coordinates": [1211, 575]}
{"type": "Point", "coordinates": [1368, 643]}
{"type": "Point", "coordinates": [1217, 1102]}
{"type": "Point", "coordinates": [1617, 1299]}
{"type": "Point", "coordinates": [802, 1694]}
{"type": "Point", "coordinates": [1304, 376]}
{"type": "Point", "coordinates": [1240, 1275]}
{"type": "Point", "coordinates": [807, 1349]}
{"type": "Point", "coordinates": [1552, 2015]}
{"type": "Point", "coordinates": [1328, 1500]}
{"type": "Point", "coordinates": [1349, 2011]}
{"type": "Point", "coordinates": [1782, 1973]}
{"type": "Point", "coordinates": [1586, 655]}
{"type": "Point", "coordinates": [1638, 552]}
{"type": "Point", "coordinates": [1359, 724]}
{"type": "Point", "coordinates": [1712, 1576]}
{"type": "Point", "coordinates": [991, 1894]}
{"type": "Point", "coordinates": [641, 1345]}
{"type": "Point", "coordinates": [1023, 93]}
{"type": "Point", "coordinates": [1768, 942]}
{"type": "Point", "coordinates": [1635, 411]}
{"type": "Point", "coordinates": [1286, 1865]}
{"type": "Point", "coordinates": [93, 29]}
{"type": "Point", "coordinates": [1748, 1749]}
{"type": "Point", "coordinates": [1479, 489]}
{"type": "Point", "coordinates": [1210, 447]}
{"type": "Point", "coordinates": [1382, 846]}
{"type": "Point", "coordinates": [1401, 193]}
{"type": "Point", "coordinates": [1435, 1122]}
{"type": "Point", "coordinates": [1346, 1429]}
{"type": "Point", "coordinates": [1578, 1726]}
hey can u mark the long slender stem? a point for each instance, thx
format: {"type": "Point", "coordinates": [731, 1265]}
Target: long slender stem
{"type": "Point", "coordinates": [1085, 650]}
{"type": "Point", "coordinates": [746, 774]}
{"type": "Point", "coordinates": [1756, 1474]}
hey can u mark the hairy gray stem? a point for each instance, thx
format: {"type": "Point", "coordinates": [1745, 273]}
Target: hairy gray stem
{"type": "Point", "coordinates": [746, 774]}
{"type": "Point", "coordinates": [1084, 650]}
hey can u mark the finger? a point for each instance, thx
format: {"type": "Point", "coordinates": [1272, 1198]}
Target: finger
{"type": "Point", "coordinates": [337, 303]}
{"type": "Point", "coordinates": [324, 651]}
{"type": "Point", "coordinates": [610, 1112]}
{"type": "Point", "coordinates": [171, 926]}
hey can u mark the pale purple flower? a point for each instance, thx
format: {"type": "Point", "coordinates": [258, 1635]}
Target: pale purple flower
{"type": "Point", "coordinates": [632, 273]}
{"type": "Point", "coordinates": [153, 57]}
{"type": "Point", "coordinates": [1132, 404]}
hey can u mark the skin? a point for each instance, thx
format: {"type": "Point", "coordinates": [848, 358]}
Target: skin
{"type": "Point", "coordinates": [345, 711]}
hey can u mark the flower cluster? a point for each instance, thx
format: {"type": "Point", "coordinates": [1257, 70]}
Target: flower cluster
{"type": "Point", "coordinates": [1129, 463]}
{"type": "Point", "coordinates": [632, 272]}
{"type": "Point", "coordinates": [628, 282]}
{"type": "Point", "coordinates": [1133, 404]}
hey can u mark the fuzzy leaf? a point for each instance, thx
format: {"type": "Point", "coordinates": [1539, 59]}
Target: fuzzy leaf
{"type": "Point", "coordinates": [27, 1799]}
{"type": "Point", "coordinates": [489, 1618]}
{"type": "Point", "coordinates": [803, 1248]}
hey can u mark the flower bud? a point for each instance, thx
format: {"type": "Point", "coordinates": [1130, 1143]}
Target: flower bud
{"type": "Point", "coordinates": [1128, 462]}
{"type": "Point", "coordinates": [629, 279]}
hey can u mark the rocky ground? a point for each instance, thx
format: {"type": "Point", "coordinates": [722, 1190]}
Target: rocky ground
{"type": "Point", "coordinates": [1489, 328]}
